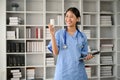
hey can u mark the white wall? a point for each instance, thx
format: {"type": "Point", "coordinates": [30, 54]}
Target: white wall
{"type": "Point", "coordinates": [2, 40]}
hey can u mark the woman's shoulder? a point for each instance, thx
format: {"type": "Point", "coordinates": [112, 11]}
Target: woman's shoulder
{"type": "Point", "coordinates": [60, 31]}
{"type": "Point", "coordinates": [84, 35]}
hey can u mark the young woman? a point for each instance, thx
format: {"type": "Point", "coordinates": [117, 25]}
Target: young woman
{"type": "Point", "coordinates": [69, 45]}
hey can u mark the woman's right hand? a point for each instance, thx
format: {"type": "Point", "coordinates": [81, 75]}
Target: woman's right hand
{"type": "Point", "coordinates": [51, 29]}
{"type": "Point", "coordinates": [53, 40]}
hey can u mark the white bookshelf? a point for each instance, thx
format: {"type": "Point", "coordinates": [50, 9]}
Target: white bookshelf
{"type": "Point", "coordinates": [90, 21]}
{"type": "Point", "coordinates": [118, 39]}
{"type": "Point", "coordinates": [36, 14]}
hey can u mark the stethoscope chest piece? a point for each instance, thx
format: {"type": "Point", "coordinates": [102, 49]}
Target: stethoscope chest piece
{"type": "Point", "coordinates": [80, 46]}
{"type": "Point", "coordinates": [64, 46]}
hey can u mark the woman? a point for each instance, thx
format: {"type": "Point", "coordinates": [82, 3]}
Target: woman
{"type": "Point", "coordinates": [69, 45]}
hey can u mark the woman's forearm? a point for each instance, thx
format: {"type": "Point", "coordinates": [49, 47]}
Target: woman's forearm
{"type": "Point", "coordinates": [54, 45]}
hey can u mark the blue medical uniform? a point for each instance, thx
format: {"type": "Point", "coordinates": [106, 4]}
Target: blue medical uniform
{"type": "Point", "coordinates": [68, 66]}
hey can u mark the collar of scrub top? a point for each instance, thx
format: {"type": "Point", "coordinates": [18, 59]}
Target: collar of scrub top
{"type": "Point", "coordinates": [65, 33]}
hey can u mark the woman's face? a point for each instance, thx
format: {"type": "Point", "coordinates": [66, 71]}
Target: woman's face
{"type": "Point", "coordinates": [70, 19]}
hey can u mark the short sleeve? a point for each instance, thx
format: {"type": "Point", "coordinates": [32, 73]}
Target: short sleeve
{"type": "Point", "coordinates": [49, 46]}
{"type": "Point", "coordinates": [84, 50]}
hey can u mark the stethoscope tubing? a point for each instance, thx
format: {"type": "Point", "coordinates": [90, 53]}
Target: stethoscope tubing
{"type": "Point", "coordinates": [65, 37]}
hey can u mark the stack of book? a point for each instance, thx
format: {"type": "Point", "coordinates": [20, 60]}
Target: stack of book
{"type": "Point", "coordinates": [48, 36]}
{"type": "Point", "coordinates": [59, 19]}
{"type": "Point", "coordinates": [106, 71]}
{"type": "Point", "coordinates": [14, 20]}
{"type": "Point", "coordinates": [10, 34]}
{"type": "Point", "coordinates": [30, 73]}
{"type": "Point", "coordinates": [107, 47]}
{"type": "Point", "coordinates": [87, 19]}
{"type": "Point", "coordinates": [50, 61]}
{"type": "Point", "coordinates": [34, 46]}
{"type": "Point", "coordinates": [15, 47]}
{"type": "Point", "coordinates": [87, 32]}
{"type": "Point", "coordinates": [105, 20]}
{"type": "Point", "coordinates": [88, 71]}
{"type": "Point", "coordinates": [16, 74]}
{"type": "Point", "coordinates": [106, 59]}
{"type": "Point", "coordinates": [15, 60]}
{"type": "Point", "coordinates": [17, 33]}
{"type": "Point", "coordinates": [36, 32]}
{"type": "Point", "coordinates": [13, 34]}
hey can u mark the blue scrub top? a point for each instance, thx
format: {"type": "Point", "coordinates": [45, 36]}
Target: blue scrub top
{"type": "Point", "coordinates": [68, 66]}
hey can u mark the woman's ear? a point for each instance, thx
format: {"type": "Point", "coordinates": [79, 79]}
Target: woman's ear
{"type": "Point", "coordinates": [78, 19]}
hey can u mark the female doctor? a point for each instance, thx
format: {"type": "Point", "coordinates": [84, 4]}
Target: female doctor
{"type": "Point", "coordinates": [69, 45]}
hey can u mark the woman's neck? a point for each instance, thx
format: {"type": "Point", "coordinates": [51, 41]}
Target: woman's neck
{"type": "Point", "coordinates": [71, 30]}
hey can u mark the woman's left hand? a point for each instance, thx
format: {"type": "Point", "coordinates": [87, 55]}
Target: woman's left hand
{"type": "Point", "coordinates": [89, 56]}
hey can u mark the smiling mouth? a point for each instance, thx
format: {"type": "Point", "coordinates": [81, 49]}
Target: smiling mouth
{"type": "Point", "coordinates": [68, 22]}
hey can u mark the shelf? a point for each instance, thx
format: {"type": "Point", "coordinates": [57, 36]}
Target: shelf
{"type": "Point", "coordinates": [107, 51]}
{"type": "Point", "coordinates": [35, 39]}
{"type": "Point", "coordinates": [91, 13]}
{"type": "Point", "coordinates": [35, 53]}
{"type": "Point", "coordinates": [104, 26]}
{"type": "Point", "coordinates": [15, 25]}
{"type": "Point", "coordinates": [36, 14]}
{"type": "Point", "coordinates": [16, 67]}
{"type": "Point", "coordinates": [15, 52]}
{"type": "Point", "coordinates": [107, 0]}
{"type": "Point", "coordinates": [107, 38]}
{"type": "Point", "coordinates": [107, 77]}
{"type": "Point", "coordinates": [93, 77]}
{"type": "Point", "coordinates": [106, 12]}
{"type": "Point", "coordinates": [16, 39]}
{"type": "Point", "coordinates": [53, 12]}
{"type": "Point", "coordinates": [93, 39]}
{"type": "Point", "coordinates": [90, 25]}
{"type": "Point", "coordinates": [35, 66]}
{"type": "Point", "coordinates": [107, 64]}
{"type": "Point", "coordinates": [15, 12]}
{"type": "Point", "coordinates": [91, 64]}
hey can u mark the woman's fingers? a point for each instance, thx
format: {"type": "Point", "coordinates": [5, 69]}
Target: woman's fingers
{"type": "Point", "coordinates": [89, 56]}
{"type": "Point", "coordinates": [51, 29]}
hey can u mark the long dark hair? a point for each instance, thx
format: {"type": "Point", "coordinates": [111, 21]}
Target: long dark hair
{"type": "Point", "coordinates": [75, 12]}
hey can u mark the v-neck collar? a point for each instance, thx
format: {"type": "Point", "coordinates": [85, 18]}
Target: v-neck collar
{"type": "Point", "coordinates": [74, 34]}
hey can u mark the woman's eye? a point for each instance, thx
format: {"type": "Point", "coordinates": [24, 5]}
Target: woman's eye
{"type": "Point", "coordinates": [66, 16]}
{"type": "Point", "coordinates": [69, 16]}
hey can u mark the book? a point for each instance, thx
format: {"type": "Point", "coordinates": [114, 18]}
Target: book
{"type": "Point", "coordinates": [17, 33]}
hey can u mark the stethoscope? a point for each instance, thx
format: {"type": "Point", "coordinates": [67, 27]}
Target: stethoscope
{"type": "Point", "coordinates": [65, 37]}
